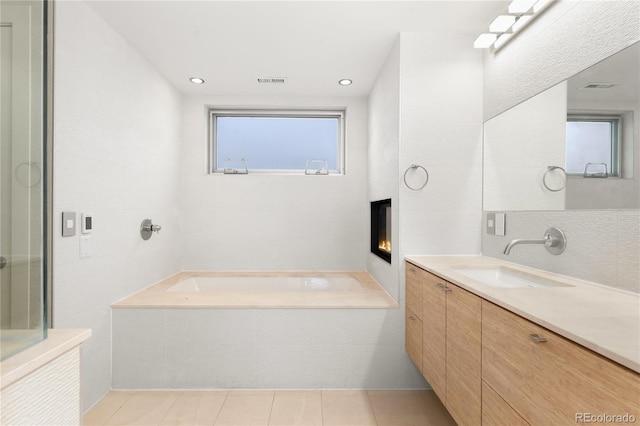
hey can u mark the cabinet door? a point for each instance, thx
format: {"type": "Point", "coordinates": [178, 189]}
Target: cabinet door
{"type": "Point", "coordinates": [413, 337]}
{"type": "Point", "coordinates": [433, 333]}
{"type": "Point", "coordinates": [414, 278]}
{"type": "Point", "coordinates": [496, 412]}
{"type": "Point", "coordinates": [463, 362]}
{"type": "Point", "coordinates": [553, 381]}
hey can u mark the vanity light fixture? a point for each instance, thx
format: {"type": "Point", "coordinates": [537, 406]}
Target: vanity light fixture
{"type": "Point", "coordinates": [505, 26]}
{"type": "Point", "coordinates": [502, 23]}
{"type": "Point", "coordinates": [345, 82]}
{"type": "Point", "coordinates": [196, 80]}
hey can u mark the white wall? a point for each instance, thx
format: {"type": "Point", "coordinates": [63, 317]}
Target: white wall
{"type": "Point", "coordinates": [383, 151]}
{"type": "Point", "coordinates": [438, 78]}
{"type": "Point", "coordinates": [440, 129]}
{"type": "Point", "coordinates": [569, 37]}
{"type": "Point", "coordinates": [268, 221]}
{"type": "Point", "coordinates": [117, 144]}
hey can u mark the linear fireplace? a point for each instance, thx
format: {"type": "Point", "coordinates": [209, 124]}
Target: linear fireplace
{"type": "Point", "coordinates": [381, 229]}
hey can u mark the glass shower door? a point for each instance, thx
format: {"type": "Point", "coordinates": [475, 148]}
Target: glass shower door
{"type": "Point", "coordinates": [22, 183]}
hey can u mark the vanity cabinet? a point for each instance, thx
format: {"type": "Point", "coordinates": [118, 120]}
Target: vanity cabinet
{"type": "Point", "coordinates": [413, 315]}
{"type": "Point", "coordinates": [451, 332]}
{"type": "Point", "coordinates": [490, 366]}
{"type": "Point", "coordinates": [548, 379]}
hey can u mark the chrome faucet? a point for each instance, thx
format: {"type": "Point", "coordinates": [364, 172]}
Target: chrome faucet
{"type": "Point", "coordinates": [554, 241]}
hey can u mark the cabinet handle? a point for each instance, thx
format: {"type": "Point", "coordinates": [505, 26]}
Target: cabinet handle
{"type": "Point", "coordinates": [412, 269]}
{"type": "Point", "coordinates": [537, 339]}
{"type": "Point", "coordinates": [412, 318]}
{"type": "Point", "coordinates": [444, 287]}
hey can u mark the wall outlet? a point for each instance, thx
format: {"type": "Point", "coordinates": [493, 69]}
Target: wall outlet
{"type": "Point", "coordinates": [85, 246]}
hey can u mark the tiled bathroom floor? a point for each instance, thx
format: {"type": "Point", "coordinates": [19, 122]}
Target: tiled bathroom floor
{"type": "Point", "coordinates": [255, 408]}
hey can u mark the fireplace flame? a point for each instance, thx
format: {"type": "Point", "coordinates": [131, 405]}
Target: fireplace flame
{"type": "Point", "coordinates": [385, 246]}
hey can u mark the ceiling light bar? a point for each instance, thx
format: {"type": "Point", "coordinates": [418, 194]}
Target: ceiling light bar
{"type": "Point", "coordinates": [521, 6]}
{"type": "Point", "coordinates": [505, 26]}
{"type": "Point", "coordinates": [484, 40]}
{"type": "Point", "coordinates": [502, 23]}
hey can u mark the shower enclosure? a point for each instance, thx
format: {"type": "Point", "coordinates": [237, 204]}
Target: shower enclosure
{"type": "Point", "coordinates": [23, 175]}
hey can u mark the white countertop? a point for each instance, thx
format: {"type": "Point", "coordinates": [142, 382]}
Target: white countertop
{"type": "Point", "coordinates": [600, 318]}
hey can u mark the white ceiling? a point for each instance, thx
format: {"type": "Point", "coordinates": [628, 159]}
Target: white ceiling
{"type": "Point", "coordinates": [311, 43]}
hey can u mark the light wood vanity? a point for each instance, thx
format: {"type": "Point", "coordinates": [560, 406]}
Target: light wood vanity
{"type": "Point", "coordinates": [491, 366]}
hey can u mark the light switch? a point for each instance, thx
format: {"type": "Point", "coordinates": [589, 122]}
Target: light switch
{"type": "Point", "coordinates": [68, 224]}
{"type": "Point", "coordinates": [491, 223]}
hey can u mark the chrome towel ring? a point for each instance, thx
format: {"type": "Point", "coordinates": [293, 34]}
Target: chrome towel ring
{"type": "Point", "coordinates": [549, 170]}
{"type": "Point", "coordinates": [414, 167]}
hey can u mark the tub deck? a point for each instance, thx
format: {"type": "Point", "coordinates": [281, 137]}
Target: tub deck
{"type": "Point", "coordinates": [372, 294]}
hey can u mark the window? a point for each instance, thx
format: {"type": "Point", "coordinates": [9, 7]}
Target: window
{"type": "Point", "coordinates": [277, 141]}
{"type": "Point", "coordinates": [593, 145]}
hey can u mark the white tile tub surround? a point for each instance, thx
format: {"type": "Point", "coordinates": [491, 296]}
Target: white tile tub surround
{"type": "Point", "coordinates": [261, 349]}
{"type": "Point", "coordinates": [603, 246]}
{"type": "Point", "coordinates": [117, 140]}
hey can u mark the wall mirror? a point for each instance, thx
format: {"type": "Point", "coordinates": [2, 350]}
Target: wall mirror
{"type": "Point", "coordinates": [575, 145]}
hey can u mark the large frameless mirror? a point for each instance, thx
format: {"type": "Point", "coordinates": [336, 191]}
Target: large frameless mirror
{"type": "Point", "coordinates": [573, 146]}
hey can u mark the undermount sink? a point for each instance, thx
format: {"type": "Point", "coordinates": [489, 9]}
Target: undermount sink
{"type": "Point", "coordinates": [508, 278]}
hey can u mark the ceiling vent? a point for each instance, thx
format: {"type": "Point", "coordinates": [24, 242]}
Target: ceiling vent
{"type": "Point", "coordinates": [272, 80]}
{"type": "Point", "coordinates": [599, 86]}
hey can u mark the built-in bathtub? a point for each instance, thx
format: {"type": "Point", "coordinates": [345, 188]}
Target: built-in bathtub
{"type": "Point", "coordinates": [346, 289]}
{"type": "Point", "coordinates": [268, 283]}
{"type": "Point", "coordinates": [261, 330]}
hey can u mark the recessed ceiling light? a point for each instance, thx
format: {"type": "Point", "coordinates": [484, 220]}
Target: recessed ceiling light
{"type": "Point", "coordinates": [196, 80]}
{"type": "Point", "coordinates": [345, 82]}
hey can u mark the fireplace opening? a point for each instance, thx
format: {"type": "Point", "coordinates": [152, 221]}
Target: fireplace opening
{"type": "Point", "coordinates": [381, 229]}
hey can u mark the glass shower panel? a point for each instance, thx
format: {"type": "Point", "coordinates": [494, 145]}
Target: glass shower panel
{"type": "Point", "coordinates": [22, 177]}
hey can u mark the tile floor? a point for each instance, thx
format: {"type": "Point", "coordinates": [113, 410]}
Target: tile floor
{"type": "Point", "coordinates": [255, 408]}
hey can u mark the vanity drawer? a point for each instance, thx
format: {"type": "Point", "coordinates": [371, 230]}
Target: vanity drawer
{"type": "Point", "coordinates": [496, 412]}
{"type": "Point", "coordinates": [548, 379]}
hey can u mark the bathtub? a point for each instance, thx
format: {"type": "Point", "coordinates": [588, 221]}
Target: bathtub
{"type": "Point", "coordinates": [268, 283]}
{"type": "Point", "coordinates": [261, 330]}
{"type": "Point", "coordinates": [345, 289]}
